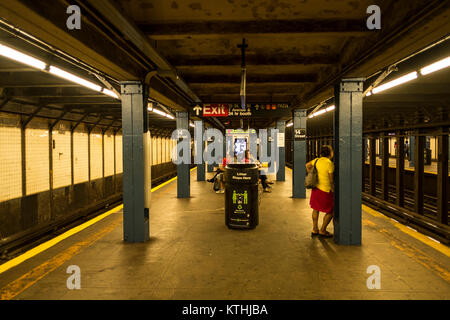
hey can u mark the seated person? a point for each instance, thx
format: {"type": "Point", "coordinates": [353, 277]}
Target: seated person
{"type": "Point", "coordinates": [262, 174]}
{"type": "Point", "coordinates": [219, 170]}
{"type": "Point", "coordinates": [219, 176]}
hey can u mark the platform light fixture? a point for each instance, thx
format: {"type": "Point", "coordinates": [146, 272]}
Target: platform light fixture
{"type": "Point", "coordinates": [71, 77]}
{"type": "Point", "coordinates": [15, 55]}
{"type": "Point", "coordinates": [191, 125]}
{"type": "Point", "coordinates": [290, 124]}
{"type": "Point", "coordinates": [322, 111]}
{"type": "Point", "coordinates": [159, 112]}
{"type": "Point", "coordinates": [395, 82]}
{"type": "Point", "coordinates": [110, 93]}
{"type": "Point", "coordinates": [331, 108]}
{"type": "Point", "coordinates": [441, 64]}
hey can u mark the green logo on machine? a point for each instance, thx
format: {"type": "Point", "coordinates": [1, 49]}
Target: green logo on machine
{"type": "Point", "coordinates": [240, 198]}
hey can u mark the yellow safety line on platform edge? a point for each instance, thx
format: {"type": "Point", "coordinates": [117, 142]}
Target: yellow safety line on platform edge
{"type": "Point", "coordinates": [413, 233]}
{"type": "Point", "coordinates": [19, 285]}
{"type": "Point", "coordinates": [48, 244]}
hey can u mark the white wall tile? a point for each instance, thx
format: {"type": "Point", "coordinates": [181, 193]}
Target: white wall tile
{"type": "Point", "coordinates": [109, 154]}
{"type": "Point", "coordinates": [62, 174]}
{"type": "Point", "coordinates": [36, 160]}
{"type": "Point", "coordinates": [96, 155]}
{"type": "Point", "coordinates": [119, 151]}
{"type": "Point", "coordinates": [10, 163]}
{"type": "Point", "coordinates": [80, 157]}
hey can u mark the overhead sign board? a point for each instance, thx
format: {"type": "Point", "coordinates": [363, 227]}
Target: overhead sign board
{"type": "Point", "coordinates": [236, 110]}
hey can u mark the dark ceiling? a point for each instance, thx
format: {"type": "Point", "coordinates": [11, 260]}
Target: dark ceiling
{"type": "Point", "coordinates": [297, 51]}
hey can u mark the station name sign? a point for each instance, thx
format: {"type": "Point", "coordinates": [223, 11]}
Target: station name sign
{"type": "Point", "coordinates": [299, 134]}
{"type": "Point", "coordinates": [236, 110]}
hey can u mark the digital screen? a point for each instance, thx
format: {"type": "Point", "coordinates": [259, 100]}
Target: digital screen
{"type": "Point", "coordinates": [240, 145]}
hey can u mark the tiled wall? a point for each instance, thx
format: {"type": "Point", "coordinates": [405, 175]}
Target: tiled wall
{"type": "Point", "coordinates": [38, 148]}
{"type": "Point", "coordinates": [80, 156]}
{"type": "Point", "coordinates": [10, 163]}
{"type": "Point", "coordinates": [109, 153]}
{"type": "Point", "coordinates": [36, 160]}
{"type": "Point", "coordinates": [62, 171]}
{"type": "Point", "coordinates": [119, 150]}
{"type": "Point", "coordinates": [96, 154]}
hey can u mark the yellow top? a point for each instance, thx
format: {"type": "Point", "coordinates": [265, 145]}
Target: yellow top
{"type": "Point", "coordinates": [324, 167]}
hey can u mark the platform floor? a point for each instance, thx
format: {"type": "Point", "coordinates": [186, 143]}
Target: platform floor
{"type": "Point", "coordinates": [192, 255]}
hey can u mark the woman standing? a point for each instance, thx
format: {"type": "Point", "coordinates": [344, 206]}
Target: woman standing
{"type": "Point", "coordinates": [322, 196]}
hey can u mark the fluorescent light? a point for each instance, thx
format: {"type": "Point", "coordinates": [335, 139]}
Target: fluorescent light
{"type": "Point", "coordinates": [311, 116]}
{"type": "Point", "coordinates": [369, 93]}
{"type": "Point", "coordinates": [170, 116]}
{"type": "Point", "coordinates": [396, 82]}
{"type": "Point", "coordinates": [320, 112]}
{"type": "Point", "coordinates": [331, 108]}
{"type": "Point", "coordinates": [150, 106]}
{"type": "Point", "coordinates": [110, 93]}
{"type": "Point", "coordinates": [21, 57]}
{"type": "Point", "coordinates": [191, 125]}
{"type": "Point", "coordinates": [159, 112]}
{"type": "Point", "coordinates": [290, 124]}
{"type": "Point", "coordinates": [444, 63]}
{"type": "Point", "coordinates": [71, 77]}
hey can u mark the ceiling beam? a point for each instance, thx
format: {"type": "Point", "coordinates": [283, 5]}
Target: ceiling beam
{"type": "Point", "coordinates": [161, 31]}
{"type": "Point", "coordinates": [50, 92]}
{"type": "Point", "coordinates": [234, 60]}
{"type": "Point", "coordinates": [285, 78]}
{"type": "Point", "coordinates": [100, 100]}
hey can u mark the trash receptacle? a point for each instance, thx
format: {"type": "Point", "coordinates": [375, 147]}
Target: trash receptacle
{"type": "Point", "coordinates": [241, 196]}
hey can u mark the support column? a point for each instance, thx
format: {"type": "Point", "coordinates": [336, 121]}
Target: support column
{"type": "Point", "coordinates": [199, 148]}
{"type": "Point", "coordinates": [348, 161]}
{"type": "Point", "coordinates": [183, 180]}
{"type": "Point", "coordinates": [442, 181]}
{"type": "Point", "coordinates": [299, 154]}
{"type": "Point", "coordinates": [134, 125]}
{"type": "Point", "coordinates": [281, 126]}
{"type": "Point", "coordinates": [384, 166]}
{"type": "Point", "coordinates": [399, 171]}
{"type": "Point", "coordinates": [419, 145]}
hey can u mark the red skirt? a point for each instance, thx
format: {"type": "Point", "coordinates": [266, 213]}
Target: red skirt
{"type": "Point", "coordinates": [322, 201]}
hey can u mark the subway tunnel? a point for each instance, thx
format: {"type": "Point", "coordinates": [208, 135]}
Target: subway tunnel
{"type": "Point", "coordinates": [115, 114]}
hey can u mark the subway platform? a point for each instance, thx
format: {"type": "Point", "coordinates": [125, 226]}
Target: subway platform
{"type": "Point", "coordinates": [193, 255]}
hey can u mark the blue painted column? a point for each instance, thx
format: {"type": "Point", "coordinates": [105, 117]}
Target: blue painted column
{"type": "Point", "coordinates": [134, 124]}
{"type": "Point", "coordinates": [199, 148]}
{"type": "Point", "coordinates": [348, 161]}
{"type": "Point", "coordinates": [281, 163]}
{"type": "Point", "coordinates": [299, 154]}
{"type": "Point", "coordinates": [183, 173]}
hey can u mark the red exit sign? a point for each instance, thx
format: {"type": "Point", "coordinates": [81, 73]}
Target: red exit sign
{"type": "Point", "coordinates": [215, 110]}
